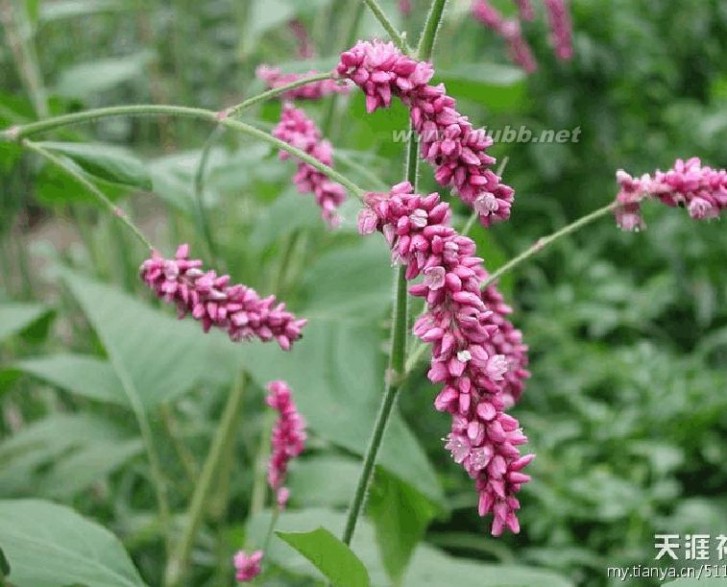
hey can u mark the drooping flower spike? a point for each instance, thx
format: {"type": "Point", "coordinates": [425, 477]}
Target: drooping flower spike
{"type": "Point", "coordinates": [456, 151]}
{"type": "Point", "coordinates": [296, 129]}
{"type": "Point", "coordinates": [275, 78]}
{"type": "Point", "coordinates": [288, 438]}
{"type": "Point", "coordinates": [700, 189]}
{"type": "Point", "coordinates": [209, 298]}
{"type": "Point", "coordinates": [464, 335]}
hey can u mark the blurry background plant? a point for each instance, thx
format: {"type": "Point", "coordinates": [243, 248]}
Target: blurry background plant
{"type": "Point", "coordinates": [628, 332]}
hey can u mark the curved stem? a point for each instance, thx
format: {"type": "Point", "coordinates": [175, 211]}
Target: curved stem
{"type": "Point", "coordinates": [224, 435]}
{"type": "Point", "coordinates": [429, 34]}
{"type": "Point", "coordinates": [20, 132]}
{"type": "Point", "coordinates": [380, 15]}
{"type": "Point", "coordinates": [543, 242]}
{"type": "Point", "coordinates": [97, 193]}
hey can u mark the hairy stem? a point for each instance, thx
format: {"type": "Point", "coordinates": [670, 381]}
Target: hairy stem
{"type": "Point", "coordinates": [395, 35]}
{"type": "Point", "coordinates": [429, 34]}
{"type": "Point", "coordinates": [97, 193]}
{"type": "Point", "coordinates": [224, 435]}
{"type": "Point", "coordinates": [199, 176]}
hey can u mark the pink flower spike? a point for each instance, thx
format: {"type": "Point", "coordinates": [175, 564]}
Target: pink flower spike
{"type": "Point", "coordinates": [449, 143]}
{"type": "Point", "coordinates": [296, 129]}
{"type": "Point", "coordinates": [236, 309]}
{"type": "Point", "coordinates": [700, 189]}
{"type": "Point", "coordinates": [477, 355]}
{"type": "Point", "coordinates": [287, 440]}
{"type": "Point", "coordinates": [247, 567]}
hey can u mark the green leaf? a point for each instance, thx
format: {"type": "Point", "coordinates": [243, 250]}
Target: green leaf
{"type": "Point", "coordinates": [338, 475]}
{"type": "Point", "coordinates": [52, 545]}
{"type": "Point", "coordinates": [400, 515]}
{"type": "Point", "coordinates": [84, 467]}
{"type": "Point", "coordinates": [4, 564]}
{"type": "Point", "coordinates": [352, 283]}
{"type": "Point", "coordinates": [108, 162]}
{"type": "Point", "coordinates": [331, 556]}
{"type": "Point", "coordinates": [29, 457]}
{"type": "Point", "coordinates": [99, 75]}
{"type": "Point", "coordinates": [15, 318]}
{"type": "Point", "coordinates": [430, 567]}
{"type": "Point", "coordinates": [156, 357]}
{"type": "Point", "coordinates": [498, 87]}
{"type": "Point", "coordinates": [85, 375]}
{"type": "Point", "coordinates": [286, 557]}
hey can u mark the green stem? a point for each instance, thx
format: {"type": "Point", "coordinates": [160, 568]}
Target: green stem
{"type": "Point", "coordinates": [543, 242]}
{"type": "Point", "coordinates": [98, 194]}
{"type": "Point", "coordinates": [20, 132]}
{"type": "Point", "coordinates": [394, 373]}
{"type": "Point", "coordinates": [393, 381]}
{"type": "Point", "coordinates": [199, 176]}
{"type": "Point", "coordinates": [380, 15]}
{"type": "Point", "coordinates": [225, 434]}
{"type": "Point", "coordinates": [429, 34]}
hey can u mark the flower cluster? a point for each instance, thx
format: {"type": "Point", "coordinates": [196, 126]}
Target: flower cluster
{"type": "Point", "coordinates": [457, 152]}
{"type": "Point", "coordinates": [306, 50]}
{"type": "Point", "coordinates": [288, 438]}
{"type": "Point", "coordinates": [296, 129]}
{"type": "Point", "coordinates": [465, 337]}
{"type": "Point", "coordinates": [247, 566]}
{"type": "Point", "coordinates": [702, 190]}
{"type": "Point", "coordinates": [561, 28]}
{"type": "Point", "coordinates": [509, 30]}
{"type": "Point", "coordinates": [211, 299]}
{"type": "Point", "coordinates": [274, 78]}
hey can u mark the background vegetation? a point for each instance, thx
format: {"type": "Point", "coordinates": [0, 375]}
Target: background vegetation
{"type": "Point", "coordinates": [626, 408]}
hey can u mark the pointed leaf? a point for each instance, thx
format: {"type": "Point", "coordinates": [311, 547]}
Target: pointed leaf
{"type": "Point", "coordinates": [332, 557]}
{"type": "Point", "coordinates": [51, 545]}
{"type": "Point", "coordinates": [15, 318]}
{"type": "Point", "coordinates": [400, 515]}
{"type": "Point", "coordinates": [85, 375]}
{"type": "Point", "coordinates": [108, 162]}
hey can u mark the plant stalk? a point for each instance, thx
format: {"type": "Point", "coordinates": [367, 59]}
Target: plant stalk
{"type": "Point", "coordinates": [389, 27]}
{"type": "Point", "coordinates": [224, 435]}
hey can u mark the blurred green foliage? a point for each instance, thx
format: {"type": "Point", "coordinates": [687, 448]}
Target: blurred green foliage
{"type": "Point", "coordinates": [626, 408]}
